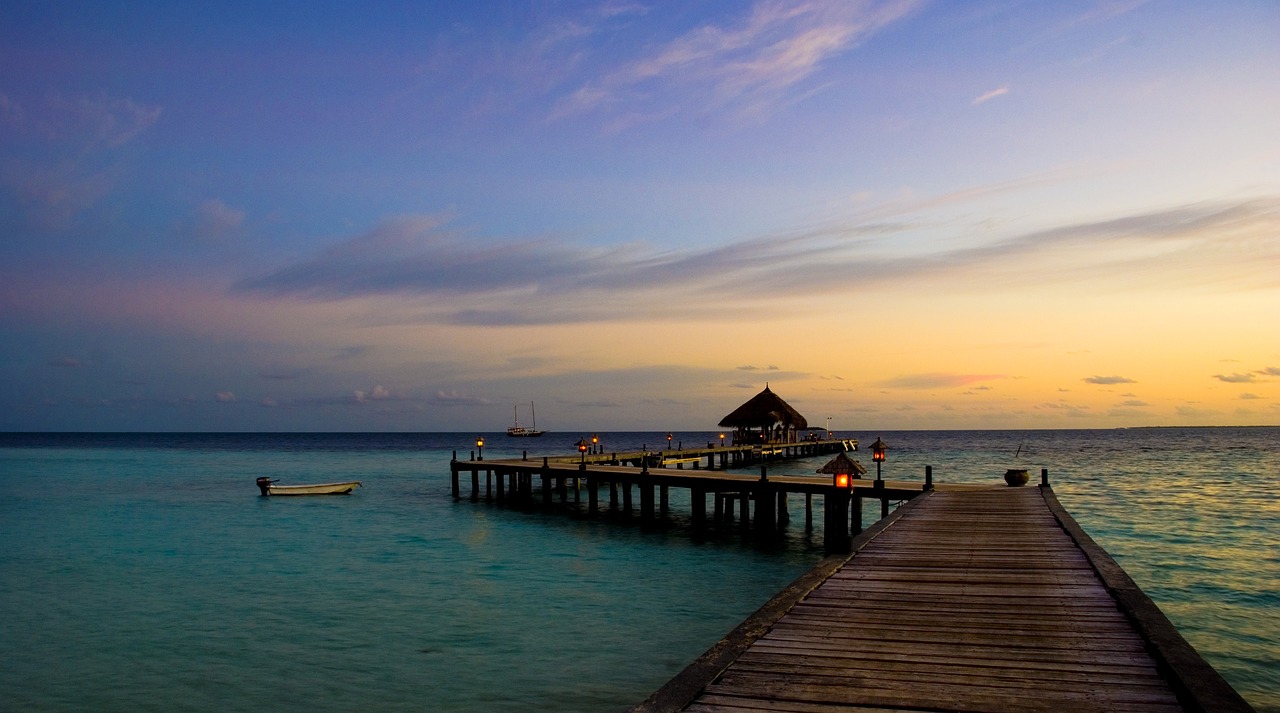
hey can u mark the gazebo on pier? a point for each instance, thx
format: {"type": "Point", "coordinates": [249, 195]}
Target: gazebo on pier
{"type": "Point", "coordinates": [766, 418]}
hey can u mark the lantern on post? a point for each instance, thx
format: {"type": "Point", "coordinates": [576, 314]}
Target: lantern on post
{"type": "Point", "coordinates": [843, 470]}
{"type": "Point", "coordinates": [722, 440]}
{"type": "Point", "coordinates": [582, 449]}
{"type": "Point", "coordinates": [595, 442]}
{"type": "Point", "coordinates": [668, 441]}
{"type": "Point", "coordinates": [480, 446]}
{"type": "Point", "coordinates": [877, 454]}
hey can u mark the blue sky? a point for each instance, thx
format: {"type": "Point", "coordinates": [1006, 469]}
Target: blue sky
{"type": "Point", "coordinates": [411, 216]}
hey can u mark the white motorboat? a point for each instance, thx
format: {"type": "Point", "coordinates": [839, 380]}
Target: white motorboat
{"type": "Point", "coordinates": [269, 487]}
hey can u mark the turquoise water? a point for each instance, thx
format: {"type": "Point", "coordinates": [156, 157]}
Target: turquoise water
{"type": "Point", "coordinates": [145, 573]}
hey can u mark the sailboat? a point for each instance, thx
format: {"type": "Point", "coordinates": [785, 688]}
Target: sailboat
{"type": "Point", "coordinates": [518, 431]}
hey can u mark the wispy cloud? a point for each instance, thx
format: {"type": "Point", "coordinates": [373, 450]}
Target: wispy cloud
{"type": "Point", "coordinates": [1108, 380]}
{"type": "Point", "coordinates": [937, 380]}
{"type": "Point", "coordinates": [78, 139]}
{"type": "Point", "coordinates": [988, 96]}
{"type": "Point", "coordinates": [1236, 378]}
{"type": "Point", "coordinates": [450, 275]}
{"type": "Point", "coordinates": [754, 63]}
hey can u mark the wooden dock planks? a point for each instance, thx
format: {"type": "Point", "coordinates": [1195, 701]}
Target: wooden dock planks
{"type": "Point", "coordinates": [969, 601]}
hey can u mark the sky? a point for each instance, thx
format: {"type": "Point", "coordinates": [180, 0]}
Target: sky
{"type": "Point", "coordinates": [407, 216]}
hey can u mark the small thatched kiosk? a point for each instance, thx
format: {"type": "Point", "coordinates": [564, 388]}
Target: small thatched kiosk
{"type": "Point", "coordinates": [843, 464]}
{"type": "Point", "coordinates": [766, 418]}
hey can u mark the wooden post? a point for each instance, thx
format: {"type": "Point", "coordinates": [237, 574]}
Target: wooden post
{"type": "Point", "coordinates": [1044, 477]}
{"type": "Point", "coordinates": [593, 495]}
{"type": "Point", "coordinates": [664, 501]}
{"type": "Point", "coordinates": [808, 511]}
{"type": "Point", "coordinates": [784, 514]}
{"type": "Point", "coordinates": [453, 471]}
{"type": "Point", "coordinates": [744, 510]}
{"type": "Point", "coordinates": [766, 514]}
{"type": "Point", "coordinates": [857, 513]}
{"type": "Point", "coordinates": [698, 506]}
{"type": "Point", "coordinates": [475, 484]}
{"type": "Point", "coordinates": [502, 491]}
{"type": "Point", "coordinates": [718, 507]}
{"type": "Point", "coordinates": [488, 485]}
{"type": "Point", "coordinates": [577, 482]}
{"type": "Point", "coordinates": [626, 496]}
{"type": "Point", "coordinates": [544, 473]}
{"type": "Point", "coordinates": [835, 513]}
{"type": "Point", "coordinates": [646, 501]}
{"type": "Point", "coordinates": [928, 477]}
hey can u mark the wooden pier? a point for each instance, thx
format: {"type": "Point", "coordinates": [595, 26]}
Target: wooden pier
{"type": "Point", "coordinates": [761, 501]}
{"type": "Point", "coordinates": [963, 600]}
{"type": "Point", "coordinates": [966, 598]}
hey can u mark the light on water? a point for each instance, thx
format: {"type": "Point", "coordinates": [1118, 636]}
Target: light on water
{"type": "Point", "coordinates": [146, 573]}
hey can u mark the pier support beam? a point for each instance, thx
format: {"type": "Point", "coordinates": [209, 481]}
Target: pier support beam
{"type": "Point", "coordinates": [646, 501]}
{"type": "Point", "coordinates": [835, 515]}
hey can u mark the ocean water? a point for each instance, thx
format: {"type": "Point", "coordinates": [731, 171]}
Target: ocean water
{"type": "Point", "coordinates": [143, 572]}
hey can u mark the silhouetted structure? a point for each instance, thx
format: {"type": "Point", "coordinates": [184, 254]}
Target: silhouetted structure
{"type": "Point", "coordinates": [766, 418]}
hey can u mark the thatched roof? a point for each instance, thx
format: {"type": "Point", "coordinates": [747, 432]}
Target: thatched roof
{"type": "Point", "coordinates": [765, 410]}
{"type": "Point", "coordinates": [843, 464]}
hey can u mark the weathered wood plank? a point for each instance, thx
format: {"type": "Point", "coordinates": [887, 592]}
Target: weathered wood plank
{"type": "Point", "coordinates": [973, 601]}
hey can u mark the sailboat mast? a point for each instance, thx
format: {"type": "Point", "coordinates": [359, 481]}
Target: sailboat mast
{"type": "Point", "coordinates": [535, 416]}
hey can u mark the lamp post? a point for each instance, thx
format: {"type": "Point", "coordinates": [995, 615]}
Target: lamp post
{"type": "Point", "coordinates": [595, 442]}
{"type": "Point", "coordinates": [668, 441]}
{"type": "Point", "coordinates": [828, 428]}
{"type": "Point", "coordinates": [480, 446]}
{"type": "Point", "coordinates": [722, 440]}
{"type": "Point", "coordinates": [877, 454]}
{"type": "Point", "coordinates": [582, 450]}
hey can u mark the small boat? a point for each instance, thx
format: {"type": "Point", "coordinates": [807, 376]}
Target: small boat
{"type": "Point", "coordinates": [518, 431]}
{"type": "Point", "coordinates": [268, 487]}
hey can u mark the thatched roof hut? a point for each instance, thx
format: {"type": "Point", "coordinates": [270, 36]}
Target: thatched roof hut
{"type": "Point", "coordinates": [843, 464]}
{"type": "Point", "coordinates": [766, 418]}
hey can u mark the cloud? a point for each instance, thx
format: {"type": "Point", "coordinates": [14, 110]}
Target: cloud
{"type": "Point", "coordinates": [453, 397]}
{"type": "Point", "coordinates": [452, 276]}
{"type": "Point", "coordinates": [78, 140]}
{"type": "Point", "coordinates": [1107, 380]}
{"type": "Point", "coordinates": [284, 373]}
{"type": "Point", "coordinates": [1068, 410]}
{"type": "Point", "coordinates": [988, 96]}
{"type": "Point", "coordinates": [937, 380]}
{"type": "Point", "coordinates": [1270, 371]}
{"type": "Point", "coordinates": [224, 397]}
{"type": "Point", "coordinates": [215, 220]}
{"type": "Point", "coordinates": [1133, 403]}
{"type": "Point", "coordinates": [1194, 412]}
{"type": "Point", "coordinates": [1249, 397]}
{"type": "Point", "coordinates": [752, 63]}
{"type": "Point", "coordinates": [379, 393]}
{"type": "Point", "coordinates": [1236, 378]}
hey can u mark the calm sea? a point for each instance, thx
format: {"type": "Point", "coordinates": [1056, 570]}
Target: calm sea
{"type": "Point", "coordinates": [145, 573]}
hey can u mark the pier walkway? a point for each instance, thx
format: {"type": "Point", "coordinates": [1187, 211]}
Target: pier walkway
{"type": "Point", "coordinates": [761, 500]}
{"type": "Point", "coordinates": [965, 600]}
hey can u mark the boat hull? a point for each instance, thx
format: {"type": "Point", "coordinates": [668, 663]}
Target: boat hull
{"type": "Point", "coordinates": [344, 488]}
